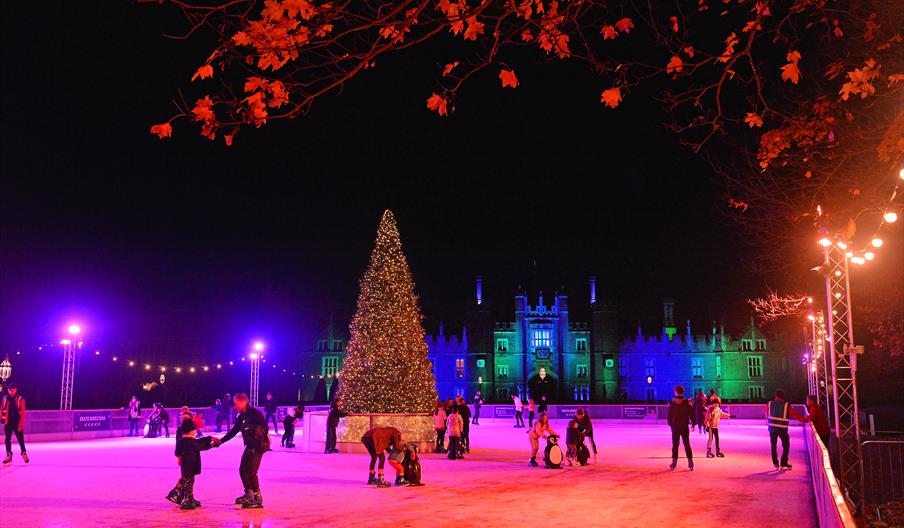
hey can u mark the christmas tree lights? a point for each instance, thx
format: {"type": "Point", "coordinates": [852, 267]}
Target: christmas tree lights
{"type": "Point", "coordinates": [387, 369]}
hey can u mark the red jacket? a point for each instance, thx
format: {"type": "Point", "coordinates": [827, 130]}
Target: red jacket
{"type": "Point", "coordinates": [818, 419]}
{"type": "Point", "coordinates": [4, 410]}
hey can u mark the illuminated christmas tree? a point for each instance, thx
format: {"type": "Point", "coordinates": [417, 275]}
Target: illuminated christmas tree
{"type": "Point", "coordinates": [387, 370]}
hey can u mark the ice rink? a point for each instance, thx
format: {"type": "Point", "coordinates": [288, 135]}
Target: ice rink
{"type": "Point", "coordinates": [122, 482]}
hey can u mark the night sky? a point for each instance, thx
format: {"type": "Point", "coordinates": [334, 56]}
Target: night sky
{"type": "Point", "coordinates": [138, 237]}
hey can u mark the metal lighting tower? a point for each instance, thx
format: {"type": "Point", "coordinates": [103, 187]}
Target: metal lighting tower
{"type": "Point", "coordinates": [844, 371]}
{"type": "Point", "coordinates": [69, 350]}
{"type": "Point", "coordinates": [255, 372]}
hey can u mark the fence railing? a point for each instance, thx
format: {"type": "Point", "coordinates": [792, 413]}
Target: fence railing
{"type": "Point", "coordinates": [883, 474]}
{"type": "Point", "coordinates": [831, 508]}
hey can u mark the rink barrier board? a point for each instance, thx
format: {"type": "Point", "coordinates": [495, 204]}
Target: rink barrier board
{"type": "Point", "coordinates": [60, 425]}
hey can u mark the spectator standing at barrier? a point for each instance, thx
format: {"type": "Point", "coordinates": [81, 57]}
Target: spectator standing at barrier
{"type": "Point", "coordinates": [218, 409]}
{"type": "Point", "coordinates": [12, 414]}
{"type": "Point", "coordinates": [228, 413]}
{"type": "Point", "coordinates": [519, 411]}
{"type": "Point", "coordinates": [531, 412]}
{"type": "Point", "coordinates": [586, 428]}
{"type": "Point", "coordinates": [439, 424]}
{"type": "Point", "coordinates": [777, 413]}
{"type": "Point", "coordinates": [255, 434]}
{"type": "Point", "coordinates": [817, 417]}
{"type": "Point", "coordinates": [134, 416]}
{"type": "Point", "coordinates": [681, 413]}
{"type": "Point", "coordinates": [164, 419]}
{"type": "Point", "coordinates": [154, 422]}
{"type": "Point", "coordinates": [700, 410]}
{"type": "Point", "coordinates": [478, 401]}
{"type": "Point", "coordinates": [332, 423]}
{"type": "Point", "coordinates": [270, 409]}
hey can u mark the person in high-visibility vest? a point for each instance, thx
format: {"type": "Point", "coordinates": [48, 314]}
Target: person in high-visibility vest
{"type": "Point", "coordinates": [777, 416]}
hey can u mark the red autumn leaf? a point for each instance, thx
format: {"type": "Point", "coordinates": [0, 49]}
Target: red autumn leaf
{"type": "Point", "coordinates": [508, 78]}
{"type": "Point", "coordinates": [527, 36]}
{"type": "Point", "coordinates": [738, 204]}
{"type": "Point", "coordinates": [203, 110]}
{"type": "Point", "coordinates": [228, 138]}
{"type": "Point", "coordinates": [449, 67]}
{"type": "Point", "coordinates": [475, 29]}
{"type": "Point", "coordinates": [675, 65]}
{"type": "Point", "coordinates": [790, 71]}
{"type": "Point", "coordinates": [674, 20]}
{"type": "Point", "coordinates": [611, 97]}
{"type": "Point", "coordinates": [753, 120]}
{"type": "Point", "coordinates": [608, 32]}
{"type": "Point", "coordinates": [624, 25]}
{"type": "Point", "coordinates": [204, 72]}
{"type": "Point", "coordinates": [438, 104]}
{"type": "Point", "coordinates": [163, 130]}
{"type": "Point", "coordinates": [253, 83]}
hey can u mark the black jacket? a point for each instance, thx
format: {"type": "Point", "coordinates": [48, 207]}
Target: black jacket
{"type": "Point", "coordinates": [585, 426]}
{"type": "Point", "coordinates": [189, 448]}
{"type": "Point", "coordinates": [573, 434]}
{"type": "Point", "coordinates": [681, 412]}
{"type": "Point", "coordinates": [254, 429]}
{"type": "Point", "coordinates": [332, 419]}
{"type": "Point", "coordinates": [270, 406]}
{"type": "Point", "coordinates": [164, 416]}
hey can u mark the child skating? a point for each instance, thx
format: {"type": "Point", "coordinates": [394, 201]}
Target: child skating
{"type": "Point", "coordinates": [188, 453]}
{"type": "Point", "coordinates": [713, 415]}
{"type": "Point", "coordinates": [573, 437]}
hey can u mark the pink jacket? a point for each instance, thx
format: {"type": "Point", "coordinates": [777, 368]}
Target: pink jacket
{"type": "Point", "coordinates": [456, 424]}
{"type": "Point", "coordinates": [439, 419]}
{"type": "Point", "coordinates": [713, 415]}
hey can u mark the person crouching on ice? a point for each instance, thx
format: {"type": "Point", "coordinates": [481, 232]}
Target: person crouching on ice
{"type": "Point", "coordinates": [188, 451]}
{"type": "Point", "coordinates": [378, 441]}
{"type": "Point", "coordinates": [541, 428]}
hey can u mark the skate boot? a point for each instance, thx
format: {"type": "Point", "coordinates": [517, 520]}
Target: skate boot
{"type": "Point", "coordinates": [195, 501]}
{"type": "Point", "coordinates": [533, 463]}
{"type": "Point", "coordinates": [25, 458]}
{"type": "Point", "coordinates": [674, 464]}
{"type": "Point", "coordinates": [244, 498]}
{"type": "Point", "coordinates": [690, 464]}
{"type": "Point", "coordinates": [8, 460]}
{"type": "Point", "coordinates": [720, 454]}
{"type": "Point", "coordinates": [174, 496]}
{"type": "Point", "coordinates": [786, 466]}
{"type": "Point", "coordinates": [596, 458]}
{"type": "Point", "coordinates": [187, 504]}
{"type": "Point", "coordinates": [382, 483]}
{"type": "Point", "coordinates": [709, 453]}
{"type": "Point", "coordinates": [401, 482]}
{"type": "Point", "coordinates": [372, 480]}
{"type": "Point", "coordinates": [255, 503]}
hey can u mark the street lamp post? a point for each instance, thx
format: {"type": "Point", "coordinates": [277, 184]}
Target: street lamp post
{"type": "Point", "coordinates": [6, 370]}
{"type": "Point", "coordinates": [69, 350]}
{"type": "Point", "coordinates": [255, 372]}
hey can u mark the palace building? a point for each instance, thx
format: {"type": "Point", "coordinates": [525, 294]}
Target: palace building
{"type": "Point", "coordinates": [542, 352]}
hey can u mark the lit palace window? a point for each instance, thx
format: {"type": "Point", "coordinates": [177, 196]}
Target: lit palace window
{"type": "Point", "coordinates": [541, 338]}
{"type": "Point", "coordinates": [718, 366]}
{"type": "Point", "coordinates": [459, 368]}
{"type": "Point", "coordinates": [337, 345]}
{"type": "Point", "coordinates": [747, 345]}
{"type": "Point", "coordinates": [755, 393]}
{"type": "Point", "coordinates": [649, 365]}
{"type": "Point", "coordinates": [697, 367]}
{"type": "Point", "coordinates": [760, 345]}
{"type": "Point", "coordinates": [502, 371]}
{"type": "Point", "coordinates": [582, 371]}
{"type": "Point", "coordinates": [321, 345]}
{"type": "Point", "coordinates": [329, 365]}
{"type": "Point", "coordinates": [502, 345]}
{"type": "Point", "coordinates": [755, 367]}
{"type": "Point", "coordinates": [581, 345]}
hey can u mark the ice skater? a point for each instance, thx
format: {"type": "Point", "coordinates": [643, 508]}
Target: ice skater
{"type": "Point", "coordinates": [439, 424]}
{"type": "Point", "coordinates": [573, 437]}
{"type": "Point", "coordinates": [134, 416]}
{"type": "Point", "coordinates": [714, 415]}
{"type": "Point", "coordinates": [700, 408]}
{"type": "Point", "coordinates": [465, 413]}
{"type": "Point", "coordinates": [255, 434]}
{"type": "Point", "coordinates": [288, 437]}
{"type": "Point", "coordinates": [454, 427]}
{"type": "Point", "coordinates": [332, 422]}
{"type": "Point", "coordinates": [817, 416]}
{"type": "Point", "coordinates": [681, 413]}
{"type": "Point", "coordinates": [531, 412]}
{"type": "Point", "coordinates": [164, 419]}
{"type": "Point", "coordinates": [478, 401]}
{"type": "Point", "coordinates": [188, 453]}
{"type": "Point", "coordinates": [519, 411]}
{"type": "Point", "coordinates": [585, 424]}
{"type": "Point", "coordinates": [540, 429]}
{"type": "Point", "coordinates": [377, 441]}
{"type": "Point", "coordinates": [270, 409]}
{"type": "Point", "coordinates": [12, 414]}
{"type": "Point", "coordinates": [777, 412]}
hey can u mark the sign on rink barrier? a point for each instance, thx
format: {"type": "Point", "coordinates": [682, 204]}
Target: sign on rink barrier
{"type": "Point", "coordinates": [638, 412]}
{"type": "Point", "coordinates": [504, 411]}
{"type": "Point", "coordinates": [566, 413]}
{"type": "Point", "coordinates": [92, 420]}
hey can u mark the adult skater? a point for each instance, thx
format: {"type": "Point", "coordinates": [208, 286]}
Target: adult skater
{"type": "Point", "coordinates": [585, 425]}
{"type": "Point", "coordinates": [777, 412]}
{"type": "Point", "coordinates": [134, 416]}
{"type": "Point", "coordinates": [270, 409]}
{"type": "Point", "coordinates": [531, 412]}
{"type": "Point", "coordinates": [377, 441]}
{"type": "Point", "coordinates": [164, 419]}
{"type": "Point", "coordinates": [218, 412]}
{"type": "Point", "coordinates": [224, 412]}
{"type": "Point", "coordinates": [519, 411]}
{"type": "Point", "coordinates": [439, 424]}
{"type": "Point", "coordinates": [465, 413]}
{"type": "Point", "coordinates": [478, 401]}
{"type": "Point", "coordinates": [12, 414]}
{"type": "Point", "coordinates": [255, 434]}
{"type": "Point", "coordinates": [332, 422]}
{"type": "Point", "coordinates": [700, 410]}
{"type": "Point", "coordinates": [681, 412]}
{"type": "Point", "coordinates": [541, 428]}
